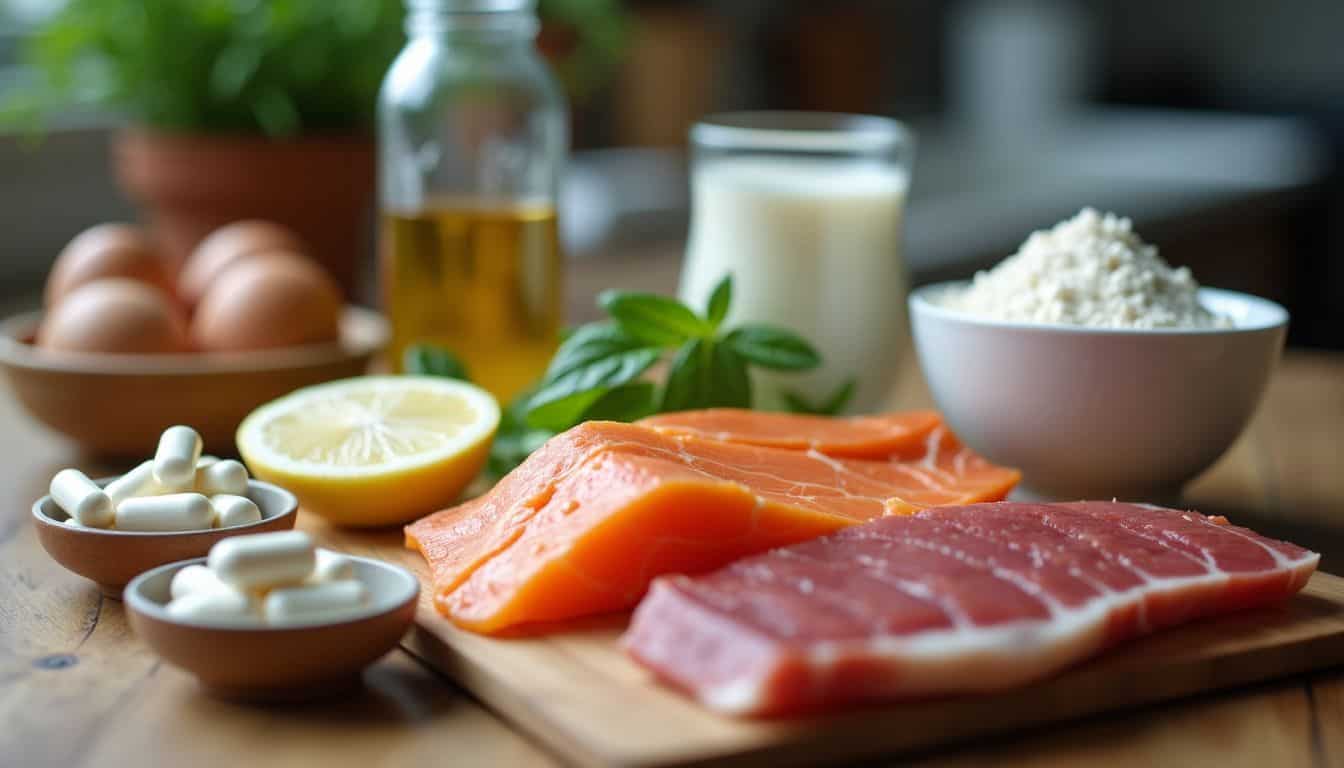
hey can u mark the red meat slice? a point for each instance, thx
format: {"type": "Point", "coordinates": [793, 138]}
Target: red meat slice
{"type": "Point", "coordinates": [949, 600]}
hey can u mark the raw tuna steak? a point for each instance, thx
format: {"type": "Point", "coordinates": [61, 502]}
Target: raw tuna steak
{"type": "Point", "coordinates": [950, 600]}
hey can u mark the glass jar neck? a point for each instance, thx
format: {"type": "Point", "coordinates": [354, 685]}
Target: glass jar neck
{"type": "Point", "coordinates": [483, 21]}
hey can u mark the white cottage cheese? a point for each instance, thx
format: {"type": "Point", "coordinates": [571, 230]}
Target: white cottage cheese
{"type": "Point", "coordinates": [1092, 270]}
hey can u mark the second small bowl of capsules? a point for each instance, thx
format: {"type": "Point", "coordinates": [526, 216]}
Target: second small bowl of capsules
{"type": "Point", "coordinates": [261, 662]}
{"type": "Point", "coordinates": [111, 558]}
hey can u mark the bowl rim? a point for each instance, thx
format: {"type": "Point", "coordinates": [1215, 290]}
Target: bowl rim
{"type": "Point", "coordinates": [407, 592]}
{"type": "Point", "coordinates": [291, 508]}
{"type": "Point", "coordinates": [363, 331]}
{"type": "Point", "coordinates": [1276, 316]}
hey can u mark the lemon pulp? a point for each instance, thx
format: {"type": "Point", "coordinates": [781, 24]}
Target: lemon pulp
{"type": "Point", "coordinates": [374, 450]}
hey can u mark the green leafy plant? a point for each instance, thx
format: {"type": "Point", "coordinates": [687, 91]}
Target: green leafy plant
{"type": "Point", "coordinates": [514, 441]}
{"type": "Point", "coordinates": [430, 360]}
{"type": "Point", "coordinates": [584, 39]}
{"type": "Point", "coordinates": [832, 405]}
{"type": "Point", "coordinates": [278, 68]}
{"type": "Point", "coordinates": [599, 370]}
{"type": "Point", "coordinates": [605, 370]}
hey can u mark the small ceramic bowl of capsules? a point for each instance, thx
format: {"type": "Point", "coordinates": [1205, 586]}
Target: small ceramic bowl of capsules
{"type": "Point", "coordinates": [172, 507]}
{"type": "Point", "coordinates": [270, 617]}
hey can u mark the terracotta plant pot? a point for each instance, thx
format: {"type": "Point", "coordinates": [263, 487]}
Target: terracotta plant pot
{"type": "Point", "coordinates": [189, 185]}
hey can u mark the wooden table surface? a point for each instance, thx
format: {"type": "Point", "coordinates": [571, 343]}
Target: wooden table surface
{"type": "Point", "coordinates": [78, 689]}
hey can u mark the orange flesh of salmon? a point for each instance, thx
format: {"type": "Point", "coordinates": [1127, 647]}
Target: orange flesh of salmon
{"type": "Point", "coordinates": [860, 437]}
{"type": "Point", "coordinates": [593, 516]}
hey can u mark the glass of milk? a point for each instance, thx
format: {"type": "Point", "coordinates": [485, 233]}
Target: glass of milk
{"type": "Point", "coordinates": [804, 209]}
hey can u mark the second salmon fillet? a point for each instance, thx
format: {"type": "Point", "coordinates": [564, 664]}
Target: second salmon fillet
{"type": "Point", "coordinates": [585, 524]}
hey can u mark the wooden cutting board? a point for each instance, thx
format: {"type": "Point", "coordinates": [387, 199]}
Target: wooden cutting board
{"type": "Point", "coordinates": [576, 693]}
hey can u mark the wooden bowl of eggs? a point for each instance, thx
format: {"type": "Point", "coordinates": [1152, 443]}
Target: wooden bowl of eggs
{"type": "Point", "coordinates": [128, 345]}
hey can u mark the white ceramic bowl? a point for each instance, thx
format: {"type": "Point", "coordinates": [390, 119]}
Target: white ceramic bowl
{"type": "Point", "coordinates": [1098, 413]}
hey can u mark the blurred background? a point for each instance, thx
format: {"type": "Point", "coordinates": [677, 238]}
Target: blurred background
{"type": "Point", "coordinates": [1217, 125]}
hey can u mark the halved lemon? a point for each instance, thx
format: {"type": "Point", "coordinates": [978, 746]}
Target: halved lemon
{"type": "Point", "coordinates": [374, 450]}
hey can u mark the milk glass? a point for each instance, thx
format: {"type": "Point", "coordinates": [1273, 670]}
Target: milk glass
{"type": "Point", "coordinates": [805, 210]}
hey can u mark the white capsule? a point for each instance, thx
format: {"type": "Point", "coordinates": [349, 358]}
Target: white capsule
{"type": "Point", "coordinates": [138, 482]}
{"type": "Point", "coordinates": [206, 460]}
{"type": "Point", "coordinates": [233, 510]}
{"type": "Point", "coordinates": [175, 461]}
{"type": "Point", "coordinates": [195, 578]}
{"type": "Point", "coordinates": [160, 489]}
{"type": "Point", "coordinates": [174, 512]}
{"type": "Point", "coordinates": [263, 560]}
{"type": "Point", "coordinates": [82, 499]}
{"type": "Point", "coordinates": [327, 601]}
{"type": "Point", "coordinates": [221, 606]}
{"type": "Point", "coordinates": [332, 566]}
{"type": "Point", "coordinates": [227, 476]}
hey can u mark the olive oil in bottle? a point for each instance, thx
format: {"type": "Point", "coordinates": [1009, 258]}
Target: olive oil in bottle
{"type": "Point", "coordinates": [481, 280]}
{"type": "Point", "coordinates": [473, 132]}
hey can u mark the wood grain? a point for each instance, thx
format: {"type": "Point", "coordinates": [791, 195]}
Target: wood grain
{"type": "Point", "coordinates": [1265, 726]}
{"type": "Point", "coordinates": [78, 689]}
{"type": "Point", "coordinates": [576, 692]}
{"type": "Point", "coordinates": [567, 689]}
{"type": "Point", "coordinates": [1302, 431]}
{"type": "Point", "coordinates": [115, 706]}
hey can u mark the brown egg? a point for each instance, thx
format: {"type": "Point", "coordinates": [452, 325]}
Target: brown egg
{"type": "Point", "coordinates": [226, 245]}
{"type": "Point", "coordinates": [263, 301]}
{"type": "Point", "coordinates": [107, 250]}
{"type": "Point", "coordinates": [114, 316]}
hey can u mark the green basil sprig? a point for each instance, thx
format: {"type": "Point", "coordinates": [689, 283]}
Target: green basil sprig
{"type": "Point", "coordinates": [606, 370]}
{"type": "Point", "coordinates": [600, 369]}
{"type": "Point", "coordinates": [430, 360]}
{"type": "Point", "coordinates": [653, 319]}
{"type": "Point", "coordinates": [514, 440]}
{"type": "Point", "coordinates": [832, 405]}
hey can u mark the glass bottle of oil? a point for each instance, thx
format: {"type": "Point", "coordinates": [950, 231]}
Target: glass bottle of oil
{"type": "Point", "coordinates": [473, 133]}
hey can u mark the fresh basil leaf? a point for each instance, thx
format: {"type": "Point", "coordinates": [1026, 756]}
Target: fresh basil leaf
{"type": "Point", "coordinates": [688, 377]}
{"type": "Point", "coordinates": [431, 360]}
{"type": "Point", "coordinates": [841, 397]}
{"type": "Point", "coordinates": [630, 402]}
{"type": "Point", "coordinates": [832, 406]}
{"type": "Point", "coordinates": [771, 347]}
{"type": "Point", "coordinates": [561, 413]}
{"type": "Point", "coordinates": [730, 383]}
{"type": "Point", "coordinates": [514, 441]}
{"type": "Point", "coordinates": [795, 402]}
{"type": "Point", "coordinates": [515, 412]}
{"type": "Point", "coordinates": [651, 318]}
{"type": "Point", "coordinates": [587, 345]}
{"type": "Point", "coordinates": [561, 403]}
{"type": "Point", "coordinates": [719, 301]}
{"type": "Point", "coordinates": [513, 447]}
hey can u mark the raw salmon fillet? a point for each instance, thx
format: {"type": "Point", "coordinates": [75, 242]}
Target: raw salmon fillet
{"type": "Point", "coordinates": [950, 600]}
{"type": "Point", "coordinates": [860, 437]}
{"type": "Point", "coordinates": [596, 513]}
